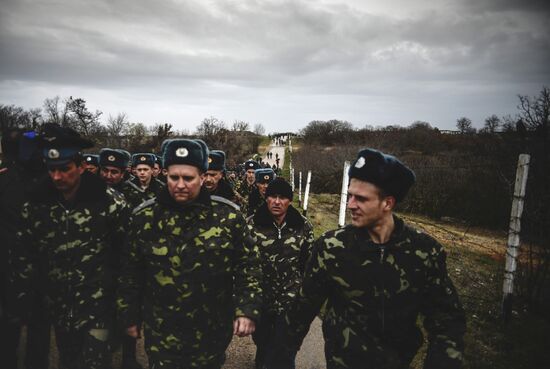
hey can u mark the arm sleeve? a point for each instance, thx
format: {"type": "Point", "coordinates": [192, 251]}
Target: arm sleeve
{"type": "Point", "coordinates": [132, 273]}
{"type": "Point", "coordinates": [247, 271]}
{"type": "Point", "coordinates": [444, 317]}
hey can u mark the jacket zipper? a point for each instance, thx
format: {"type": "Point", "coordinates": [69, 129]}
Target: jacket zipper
{"type": "Point", "coordinates": [279, 229]}
{"type": "Point", "coordinates": [67, 212]}
{"type": "Point", "coordinates": [382, 251]}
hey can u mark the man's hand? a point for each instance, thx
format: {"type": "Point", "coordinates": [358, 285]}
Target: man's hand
{"type": "Point", "coordinates": [242, 326]}
{"type": "Point", "coordinates": [133, 331]}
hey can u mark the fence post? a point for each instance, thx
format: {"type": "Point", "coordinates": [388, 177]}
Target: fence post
{"type": "Point", "coordinates": [513, 235]}
{"type": "Point", "coordinates": [344, 195]}
{"type": "Point", "coordinates": [306, 193]}
{"type": "Point", "coordinates": [300, 188]}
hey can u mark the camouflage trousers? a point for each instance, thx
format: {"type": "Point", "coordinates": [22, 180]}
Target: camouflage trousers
{"type": "Point", "coordinates": [84, 349]}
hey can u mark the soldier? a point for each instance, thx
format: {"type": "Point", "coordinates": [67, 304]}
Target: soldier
{"type": "Point", "coordinates": [190, 268]}
{"type": "Point", "coordinates": [285, 239]}
{"type": "Point", "coordinates": [91, 163]}
{"type": "Point", "coordinates": [377, 276]}
{"type": "Point", "coordinates": [113, 164]}
{"type": "Point", "coordinates": [147, 186]}
{"type": "Point", "coordinates": [246, 185]}
{"type": "Point", "coordinates": [257, 196]}
{"type": "Point", "coordinates": [22, 169]}
{"type": "Point", "coordinates": [72, 227]}
{"type": "Point", "coordinates": [214, 180]}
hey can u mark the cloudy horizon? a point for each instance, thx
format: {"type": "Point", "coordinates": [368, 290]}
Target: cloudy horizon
{"type": "Point", "coordinates": [280, 63]}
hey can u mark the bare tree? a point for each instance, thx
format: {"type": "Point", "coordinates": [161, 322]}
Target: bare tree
{"type": "Point", "coordinates": [56, 111]}
{"type": "Point", "coordinates": [492, 124]}
{"type": "Point", "coordinates": [535, 111]}
{"type": "Point", "coordinates": [259, 129]}
{"type": "Point", "coordinates": [86, 121]}
{"type": "Point", "coordinates": [464, 125]}
{"type": "Point", "coordinates": [240, 126]}
{"type": "Point", "coordinates": [117, 125]}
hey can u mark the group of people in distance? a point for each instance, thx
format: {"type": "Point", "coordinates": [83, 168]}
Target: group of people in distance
{"type": "Point", "coordinates": [188, 257]}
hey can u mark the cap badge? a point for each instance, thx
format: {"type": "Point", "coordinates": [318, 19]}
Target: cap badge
{"type": "Point", "coordinates": [182, 152]}
{"type": "Point", "coordinates": [53, 154]}
{"type": "Point", "coordinates": [360, 163]}
{"type": "Point", "coordinates": [266, 177]}
{"type": "Point", "coordinates": [89, 158]}
{"type": "Point", "coordinates": [111, 158]}
{"type": "Point", "coordinates": [209, 160]}
{"type": "Point", "coordinates": [142, 158]}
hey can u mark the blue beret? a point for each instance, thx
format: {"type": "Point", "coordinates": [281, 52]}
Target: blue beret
{"type": "Point", "coordinates": [143, 158]}
{"type": "Point", "coordinates": [264, 175]}
{"type": "Point", "coordinates": [216, 160]}
{"type": "Point", "coordinates": [251, 164]}
{"type": "Point", "coordinates": [112, 157]}
{"type": "Point", "coordinates": [61, 145]}
{"type": "Point", "coordinates": [185, 151]}
{"type": "Point", "coordinates": [384, 171]}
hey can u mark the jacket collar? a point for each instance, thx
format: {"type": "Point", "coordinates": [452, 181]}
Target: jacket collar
{"type": "Point", "coordinates": [263, 217]}
{"type": "Point", "coordinates": [396, 237]}
{"type": "Point", "coordinates": [91, 189]}
{"type": "Point", "coordinates": [202, 201]}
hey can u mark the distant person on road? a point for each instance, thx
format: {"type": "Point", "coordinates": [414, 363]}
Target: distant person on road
{"type": "Point", "coordinates": [376, 277]}
{"type": "Point", "coordinates": [285, 239]}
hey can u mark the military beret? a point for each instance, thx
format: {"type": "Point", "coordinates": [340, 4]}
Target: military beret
{"type": "Point", "coordinates": [251, 164]}
{"type": "Point", "coordinates": [112, 157]}
{"type": "Point", "coordinates": [185, 151]}
{"type": "Point", "coordinates": [216, 160]}
{"type": "Point", "coordinates": [264, 175]}
{"type": "Point", "coordinates": [91, 159]}
{"type": "Point", "coordinates": [279, 186]}
{"type": "Point", "coordinates": [384, 171]}
{"type": "Point", "coordinates": [143, 158]}
{"type": "Point", "coordinates": [61, 145]}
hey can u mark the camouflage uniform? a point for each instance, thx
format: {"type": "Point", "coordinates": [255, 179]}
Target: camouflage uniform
{"type": "Point", "coordinates": [244, 190]}
{"type": "Point", "coordinates": [194, 268]}
{"type": "Point", "coordinates": [73, 249]}
{"type": "Point", "coordinates": [135, 195]}
{"type": "Point", "coordinates": [225, 190]}
{"type": "Point", "coordinates": [284, 251]}
{"type": "Point", "coordinates": [375, 294]}
{"type": "Point", "coordinates": [255, 201]}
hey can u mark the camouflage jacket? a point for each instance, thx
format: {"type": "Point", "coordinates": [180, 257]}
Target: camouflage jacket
{"type": "Point", "coordinates": [225, 190]}
{"type": "Point", "coordinates": [255, 201]}
{"type": "Point", "coordinates": [189, 271]}
{"type": "Point", "coordinates": [135, 195]}
{"type": "Point", "coordinates": [74, 250]}
{"type": "Point", "coordinates": [374, 294]}
{"type": "Point", "coordinates": [243, 189]}
{"type": "Point", "coordinates": [284, 251]}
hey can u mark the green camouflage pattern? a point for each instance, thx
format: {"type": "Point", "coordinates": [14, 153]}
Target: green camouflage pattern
{"type": "Point", "coordinates": [135, 195]}
{"type": "Point", "coordinates": [187, 272]}
{"type": "Point", "coordinates": [74, 250]}
{"type": "Point", "coordinates": [243, 190]}
{"type": "Point", "coordinates": [284, 251]}
{"type": "Point", "coordinates": [374, 295]}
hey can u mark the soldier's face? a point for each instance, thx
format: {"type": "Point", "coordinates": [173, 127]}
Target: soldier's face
{"type": "Point", "coordinates": [144, 173]}
{"type": "Point", "coordinates": [111, 175]}
{"type": "Point", "coordinates": [91, 168]}
{"type": "Point", "coordinates": [156, 170]}
{"type": "Point", "coordinates": [277, 205]}
{"type": "Point", "coordinates": [184, 182]}
{"type": "Point", "coordinates": [365, 205]}
{"type": "Point", "coordinates": [250, 176]}
{"type": "Point", "coordinates": [66, 178]}
{"type": "Point", "coordinates": [211, 179]}
{"type": "Point", "coordinates": [262, 187]}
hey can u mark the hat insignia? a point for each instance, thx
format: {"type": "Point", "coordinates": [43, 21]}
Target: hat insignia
{"type": "Point", "coordinates": [182, 152]}
{"type": "Point", "coordinates": [209, 160]}
{"type": "Point", "coordinates": [266, 177]}
{"type": "Point", "coordinates": [89, 158]}
{"type": "Point", "coordinates": [360, 163]}
{"type": "Point", "coordinates": [142, 158]}
{"type": "Point", "coordinates": [53, 154]}
{"type": "Point", "coordinates": [111, 158]}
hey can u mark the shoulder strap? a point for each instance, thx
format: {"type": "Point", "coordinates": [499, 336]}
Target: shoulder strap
{"type": "Point", "coordinates": [225, 201]}
{"type": "Point", "coordinates": [144, 204]}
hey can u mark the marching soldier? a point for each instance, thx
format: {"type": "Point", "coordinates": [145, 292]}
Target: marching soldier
{"type": "Point", "coordinates": [214, 180]}
{"type": "Point", "coordinates": [257, 196]}
{"type": "Point", "coordinates": [377, 276]}
{"type": "Point", "coordinates": [146, 185]}
{"type": "Point", "coordinates": [246, 185]}
{"type": "Point", "coordinates": [91, 163]}
{"type": "Point", "coordinates": [285, 239]}
{"type": "Point", "coordinates": [72, 227]}
{"type": "Point", "coordinates": [190, 268]}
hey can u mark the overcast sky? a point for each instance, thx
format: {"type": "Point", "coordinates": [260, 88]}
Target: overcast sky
{"type": "Point", "coordinates": [279, 63]}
